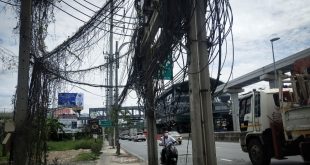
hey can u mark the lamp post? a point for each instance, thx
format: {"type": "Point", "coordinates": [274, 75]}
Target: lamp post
{"type": "Point", "coordinates": [274, 62]}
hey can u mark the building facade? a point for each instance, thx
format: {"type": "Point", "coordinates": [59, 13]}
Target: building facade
{"type": "Point", "coordinates": [173, 110]}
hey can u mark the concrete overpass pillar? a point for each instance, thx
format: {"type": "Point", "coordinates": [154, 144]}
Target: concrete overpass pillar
{"type": "Point", "coordinates": [235, 106]}
{"type": "Point", "coordinates": [273, 83]}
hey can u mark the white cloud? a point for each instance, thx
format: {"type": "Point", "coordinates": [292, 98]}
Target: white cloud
{"type": "Point", "coordinates": [255, 23]}
{"type": "Point", "coordinates": [7, 88]}
{"type": "Point", "coordinates": [253, 19]}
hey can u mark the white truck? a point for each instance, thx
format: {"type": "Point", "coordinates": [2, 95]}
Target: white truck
{"type": "Point", "coordinates": [275, 123]}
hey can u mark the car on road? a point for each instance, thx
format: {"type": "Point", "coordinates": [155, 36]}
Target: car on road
{"type": "Point", "coordinates": [131, 138]}
{"type": "Point", "coordinates": [139, 137]}
{"type": "Point", "coordinates": [176, 136]}
{"type": "Point", "coordinates": [124, 137]}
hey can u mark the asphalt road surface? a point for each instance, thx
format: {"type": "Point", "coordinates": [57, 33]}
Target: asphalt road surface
{"type": "Point", "coordinates": [227, 153]}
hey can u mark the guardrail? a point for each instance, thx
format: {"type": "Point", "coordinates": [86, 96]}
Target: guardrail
{"type": "Point", "coordinates": [221, 136]}
{"type": "Point", "coordinates": [7, 115]}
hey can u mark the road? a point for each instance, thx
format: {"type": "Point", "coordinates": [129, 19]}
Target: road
{"type": "Point", "coordinates": [227, 153]}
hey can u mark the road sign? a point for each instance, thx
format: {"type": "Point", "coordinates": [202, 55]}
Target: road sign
{"type": "Point", "coordinates": [166, 71]}
{"type": "Point", "coordinates": [105, 123]}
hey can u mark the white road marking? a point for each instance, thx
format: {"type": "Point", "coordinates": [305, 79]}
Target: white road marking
{"type": "Point", "coordinates": [228, 160]}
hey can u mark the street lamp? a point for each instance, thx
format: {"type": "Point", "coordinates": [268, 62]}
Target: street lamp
{"type": "Point", "coordinates": [274, 62]}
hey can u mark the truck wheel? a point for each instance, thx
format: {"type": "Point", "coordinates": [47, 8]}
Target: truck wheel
{"type": "Point", "coordinates": [257, 153]}
{"type": "Point", "coordinates": [305, 152]}
{"type": "Point", "coordinates": [306, 159]}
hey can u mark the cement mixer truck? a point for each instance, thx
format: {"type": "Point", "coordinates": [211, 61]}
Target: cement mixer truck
{"type": "Point", "coordinates": [275, 123]}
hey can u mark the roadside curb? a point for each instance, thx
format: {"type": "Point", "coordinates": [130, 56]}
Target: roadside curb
{"type": "Point", "coordinates": [141, 160]}
{"type": "Point", "coordinates": [109, 156]}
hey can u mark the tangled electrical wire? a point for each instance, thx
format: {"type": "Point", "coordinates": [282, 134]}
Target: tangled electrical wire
{"type": "Point", "coordinates": [50, 69]}
{"type": "Point", "coordinates": [219, 21]}
{"type": "Point", "coordinates": [174, 36]}
{"type": "Point", "coordinates": [8, 59]}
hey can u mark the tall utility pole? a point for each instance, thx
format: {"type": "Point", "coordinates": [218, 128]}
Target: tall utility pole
{"type": "Point", "coordinates": [145, 50]}
{"type": "Point", "coordinates": [149, 93]}
{"type": "Point", "coordinates": [106, 91]}
{"type": "Point", "coordinates": [151, 124]}
{"type": "Point", "coordinates": [116, 98]}
{"type": "Point", "coordinates": [21, 137]}
{"type": "Point", "coordinates": [107, 82]}
{"type": "Point", "coordinates": [111, 141]}
{"type": "Point", "coordinates": [203, 147]}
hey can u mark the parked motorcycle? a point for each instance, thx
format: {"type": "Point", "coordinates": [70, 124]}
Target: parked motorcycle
{"type": "Point", "coordinates": [171, 155]}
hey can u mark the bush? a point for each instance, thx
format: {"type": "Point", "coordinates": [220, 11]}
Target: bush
{"type": "Point", "coordinates": [84, 144]}
{"type": "Point", "coordinates": [86, 157]}
{"type": "Point", "coordinates": [96, 148]}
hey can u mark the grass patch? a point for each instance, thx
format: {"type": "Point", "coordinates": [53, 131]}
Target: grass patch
{"type": "Point", "coordinates": [84, 144]}
{"type": "Point", "coordinates": [94, 146]}
{"type": "Point", "coordinates": [71, 145]}
{"type": "Point", "coordinates": [61, 145]}
{"type": "Point", "coordinates": [86, 156]}
{"type": "Point", "coordinates": [3, 158]}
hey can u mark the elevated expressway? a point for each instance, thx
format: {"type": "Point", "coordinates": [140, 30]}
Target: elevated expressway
{"type": "Point", "coordinates": [265, 73]}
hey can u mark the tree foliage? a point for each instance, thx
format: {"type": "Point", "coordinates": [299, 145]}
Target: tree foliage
{"type": "Point", "coordinates": [53, 128]}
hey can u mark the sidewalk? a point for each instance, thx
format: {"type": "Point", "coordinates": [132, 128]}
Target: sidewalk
{"type": "Point", "coordinates": [108, 156]}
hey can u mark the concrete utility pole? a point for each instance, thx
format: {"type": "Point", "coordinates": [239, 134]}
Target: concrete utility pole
{"type": "Point", "coordinates": [203, 147]}
{"type": "Point", "coordinates": [151, 125]}
{"type": "Point", "coordinates": [149, 35]}
{"type": "Point", "coordinates": [21, 137]}
{"type": "Point", "coordinates": [116, 99]}
{"type": "Point", "coordinates": [107, 82]}
{"type": "Point", "coordinates": [111, 140]}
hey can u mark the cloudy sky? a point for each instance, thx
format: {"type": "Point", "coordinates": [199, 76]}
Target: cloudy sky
{"type": "Point", "coordinates": [255, 23]}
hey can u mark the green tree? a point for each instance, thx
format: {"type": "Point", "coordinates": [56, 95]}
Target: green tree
{"type": "Point", "coordinates": [53, 126]}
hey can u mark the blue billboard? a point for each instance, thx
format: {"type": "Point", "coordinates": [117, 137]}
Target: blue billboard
{"type": "Point", "coordinates": [70, 100]}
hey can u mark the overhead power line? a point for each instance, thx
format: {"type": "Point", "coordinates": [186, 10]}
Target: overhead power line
{"type": "Point", "coordinates": [92, 4]}
{"type": "Point", "coordinates": [115, 13]}
{"type": "Point", "coordinates": [8, 3]}
{"type": "Point", "coordinates": [85, 6]}
{"type": "Point", "coordinates": [86, 22]}
{"type": "Point", "coordinates": [91, 17]}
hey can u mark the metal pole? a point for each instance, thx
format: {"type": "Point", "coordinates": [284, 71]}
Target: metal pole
{"type": "Point", "coordinates": [111, 66]}
{"type": "Point", "coordinates": [203, 146]}
{"type": "Point", "coordinates": [275, 84]}
{"type": "Point", "coordinates": [21, 137]}
{"type": "Point", "coordinates": [274, 67]}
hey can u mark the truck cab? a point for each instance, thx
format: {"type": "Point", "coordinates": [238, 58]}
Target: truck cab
{"type": "Point", "coordinates": [275, 123]}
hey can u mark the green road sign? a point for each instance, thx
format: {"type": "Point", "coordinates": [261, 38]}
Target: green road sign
{"type": "Point", "coordinates": [105, 123]}
{"type": "Point", "coordinates": [166, 71]}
